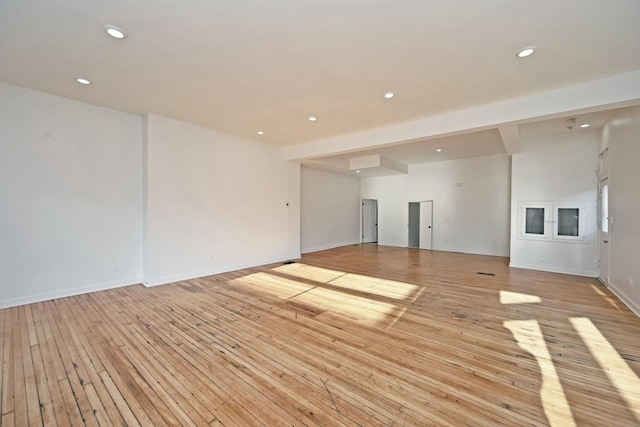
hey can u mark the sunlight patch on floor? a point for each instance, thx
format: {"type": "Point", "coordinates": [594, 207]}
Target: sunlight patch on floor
{"type": "Point", "coordinates": [607, 298]}
{"type": "Point", "coordinates": [623, 378]}
{"type": "Point", "coordinates": [275, 286]}
{"type": "Point", "coordinates": [382, 287]}
{"type": "Point", "coordinates": [507, 297]}
{"type": "Point", "coordinates": [319, 299]}
{"type": "Point", "coordinates": [364, 310]}
{"type": "Point", "coordinates": [309, 272]}
{"type": "Point", "coordinates": [554, 402]}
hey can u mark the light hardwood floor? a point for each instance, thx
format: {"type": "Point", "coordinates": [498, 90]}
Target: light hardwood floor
{"type": "Point", "coordinates": [359, 335]}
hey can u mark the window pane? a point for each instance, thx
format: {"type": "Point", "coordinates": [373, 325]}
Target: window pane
{"type": "Point", "coordinates": [534, 223]}
{"type": "Point", "coordinates": [568, 220]}
{"type": "Point", "coordinates": [604, 209]}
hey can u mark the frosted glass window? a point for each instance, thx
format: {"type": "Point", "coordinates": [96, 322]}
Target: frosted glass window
{"type": "Point", "coordinates": [569, 222]}
{"type": "Point", "coordinates": [604, 209]}
{"type": "Point", "coordinates": [553, 222]}
{"type": "Point", "coordinates": [534, 221]}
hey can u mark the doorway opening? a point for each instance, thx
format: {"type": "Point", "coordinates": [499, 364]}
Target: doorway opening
{"type": "Point", "coordinates": [420, 224]}
{"type": "Point", "coordinates": [603, 217]}
{"type": "Point", "coordinates": [369, 221]}
{"type": "Point", "coordinates": [603, 232]}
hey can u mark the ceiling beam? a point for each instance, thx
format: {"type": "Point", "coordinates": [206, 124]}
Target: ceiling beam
{"type": "Point", "coordinates": [613, 92]}
{"type": "Point", "coordinates": [510, 134]}
{"type": "Point", "coordinates": [378, 161]}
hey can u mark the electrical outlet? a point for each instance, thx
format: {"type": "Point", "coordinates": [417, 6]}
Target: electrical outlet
{"type": "Point", "coordinates": [116, 268]}
{"type": "Point", "coordinates": [630, 280]}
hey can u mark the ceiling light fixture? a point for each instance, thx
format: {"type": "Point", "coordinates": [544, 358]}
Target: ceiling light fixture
{"type": "Point", "coordinates": [313, 118]}
{"type": "Point", "coordinates": [389, 95]}
{"type": "Point", "coordinates": [585, 125]}
{"type": "Point", "coordinates": [115, 32]}
{"type": "Point", "coordinates": [358, 171]}
{"type": "Point", "coordinates": [260, 132]}
{"type": "Point", "coordinates": [526, 51]}
{"type": "Point", "coordinates": [438, 150]}
{"type": "Point", "coordinates": [83, 81]}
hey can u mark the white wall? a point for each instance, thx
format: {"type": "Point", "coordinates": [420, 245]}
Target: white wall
{"type": "Point", "coordinates": [471, 218]}
{"type": "Point", "coordinates": [329, 211]}
{"type": "Point", "coordinates": [622, 136]}
{"type": "Point", "coordinates": [215, 202]}
{"type": "Point", "coordinates": [393, 207]}
{"type": "Point", "coordinates": [70, 197]}
{"type": "Point", "coordinates": [559, 169]}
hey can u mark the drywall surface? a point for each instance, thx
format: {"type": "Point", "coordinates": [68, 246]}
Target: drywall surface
{"type": "Point", "coordinates": [329, 211]}
{"type": "Point", "coordinates": [393, 207]}
{"type": "Point", "coordinates": [557, 169]}
{"type": "Point", "coordinates": [470, 204]}
{"type": "Point", "coordinates": [70, 197]}
{"type": "Point", "coordinates": [622, 136]}
{"type": "Point", "coordinates": [215, 202]}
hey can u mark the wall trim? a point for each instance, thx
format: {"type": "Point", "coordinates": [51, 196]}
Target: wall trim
{"type": "Point", "coordinates": [635, 308]}
{"type": "Point", "coordinates": [474, 252]}
{"type": "Point", "coordinates": [31, 299]}
{"type": "Point", "coordinates": [455, 250]}
{"type": "Point", "coordinates": [329, 246]}
{"type": "Point", "coordinates": [218, 270]}
{"type": "Point", "coordinates": [583, 273]}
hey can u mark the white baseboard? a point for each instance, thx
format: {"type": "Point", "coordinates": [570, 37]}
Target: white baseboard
{"type": "Point", "coordinates": [329, 246]}
{"type": "Point", "coordinates": [555, 269]}
{"type": "Point", "coordinates": [633, 306]}
{"type": "Point", "coordinates": [68, 292]}
{"type": "Point", "coordinates": [217, 270]}
{"type": "Point", "coordinates": [474, 251]}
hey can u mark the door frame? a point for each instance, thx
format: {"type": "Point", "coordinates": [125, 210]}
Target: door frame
{"type": "Point", "coordinates": [362, 220]}
{"type": "Point", "coordinates": [604, 238]}
{"type": "Point", "coordinates": [409, 229]}
{"type": "Point", "coordinates": [430, 226]}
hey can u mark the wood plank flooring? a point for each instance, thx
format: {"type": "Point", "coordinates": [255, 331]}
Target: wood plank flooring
{"type": "Point", "coordinates": [362, 335]}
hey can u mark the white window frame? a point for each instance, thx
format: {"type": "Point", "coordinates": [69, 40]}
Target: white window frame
{"type": "Point", "coordinates": [551, 222]}
{"type": "Point", "coordinates": [522, 221]}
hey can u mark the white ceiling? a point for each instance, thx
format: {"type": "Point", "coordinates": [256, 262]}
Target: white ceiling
{"type": "Point", "coordinates": [462, 146]}
{"type": "Point", "coordinates": [482, 143]}
{"type": "Point", "coordinates": [241, 66]}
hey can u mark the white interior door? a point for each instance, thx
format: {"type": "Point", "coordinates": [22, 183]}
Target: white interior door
{"type": "Point", "coordinates": [603, 233]}
{"type": "Point", "coordinates": [369, 221]}
{"type": "Point", "coordinates": [414, 225]}
{"type": "Point", "coordinates": [426, 213]}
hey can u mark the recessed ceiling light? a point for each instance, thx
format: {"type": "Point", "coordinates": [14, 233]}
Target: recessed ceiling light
{"type": "Point", "coordinates": [438, 150]}
{"type": "Point", "coordinates": [525, 51]}
{"type": "Point", "coordinates": [312, 118]}
{"type": "Point", "coordinates": [585, 125]}
{"type": "Point", "coordinates": [389, 95]}
{"type": "Point", "coordinates": [358, 171]}
{"type": "Point", "coordinates": [260, 132]}
{"type": "Point", "coordinates": [115, 32]}
{"type": "Point", "coordinates": [83, 81]}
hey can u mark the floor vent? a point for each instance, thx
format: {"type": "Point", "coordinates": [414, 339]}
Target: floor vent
{"type": "Point", "coordinates": [486, 274]}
